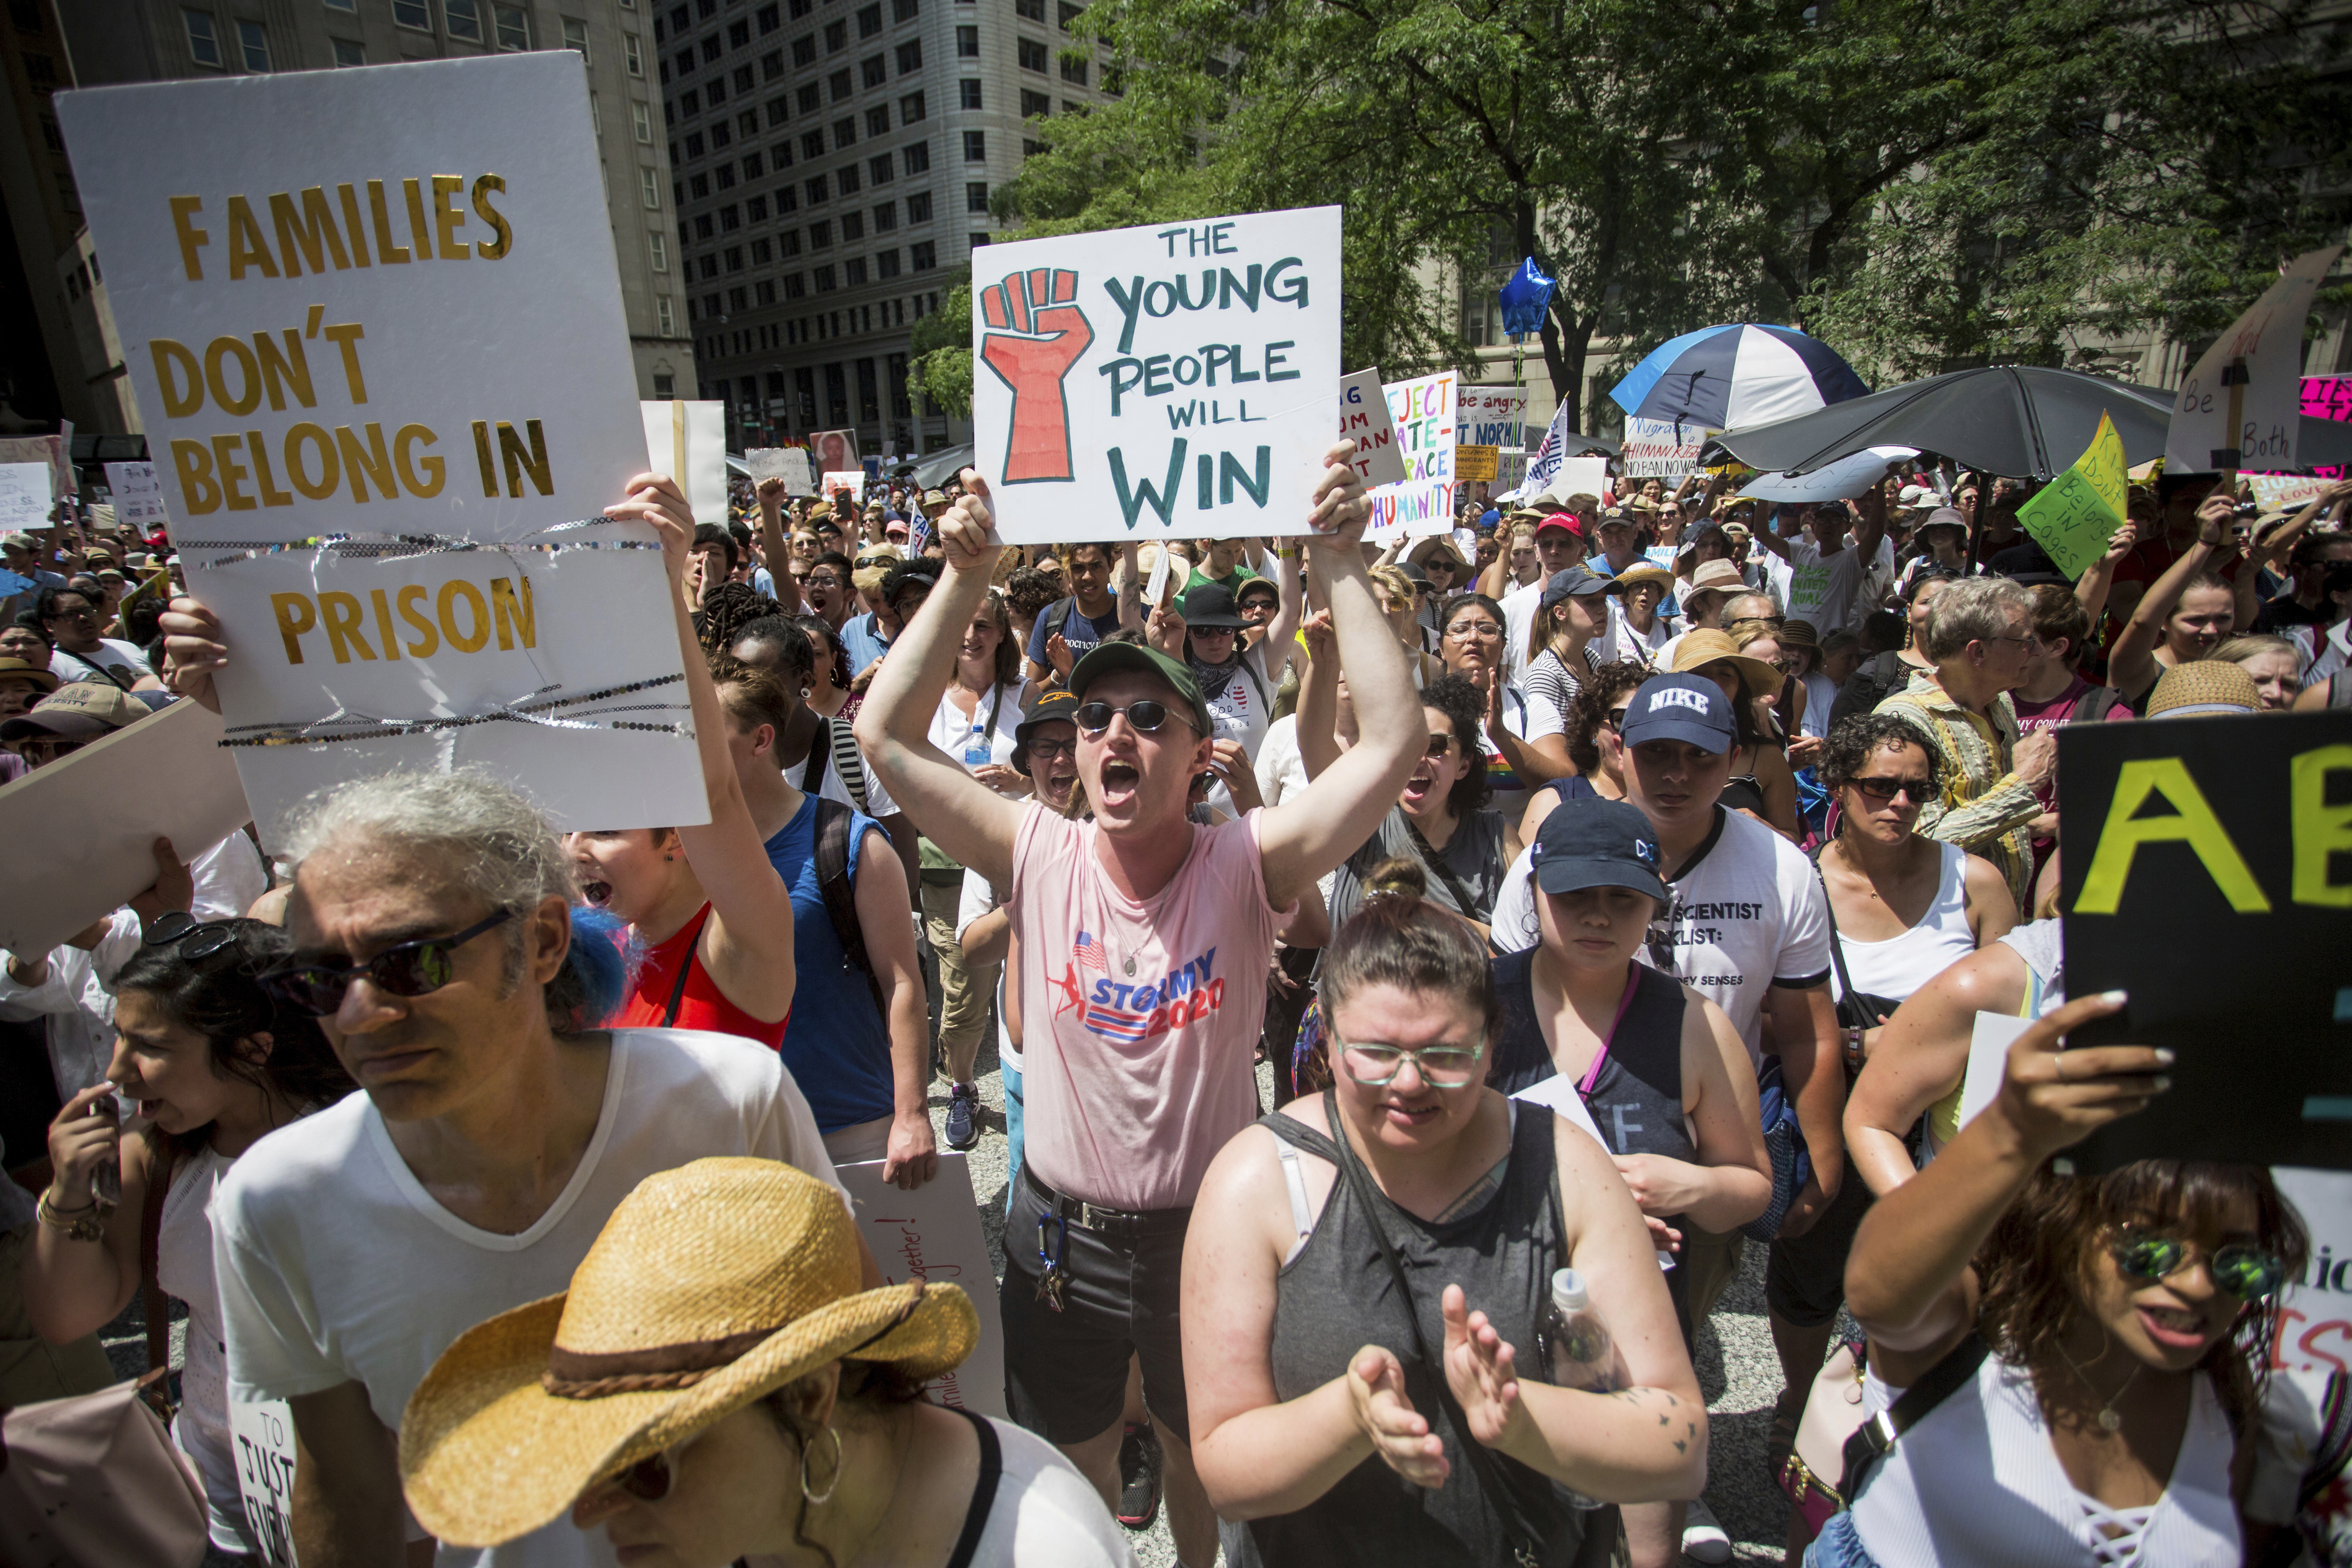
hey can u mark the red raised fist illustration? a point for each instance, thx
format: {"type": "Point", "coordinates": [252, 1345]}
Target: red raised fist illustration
{"type": "Point", "coordinates": [1035, 333]}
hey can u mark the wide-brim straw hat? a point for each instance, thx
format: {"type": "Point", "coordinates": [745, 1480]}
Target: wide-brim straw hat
{"type": "Point", "coordinates": [1642, 571]}
{"type": "Point", "coordinates": [709, 1287]}
{"type": "Point", "coordinates": [1800, 634]}
{"type": "Point", "coordinates": [1707, 646]}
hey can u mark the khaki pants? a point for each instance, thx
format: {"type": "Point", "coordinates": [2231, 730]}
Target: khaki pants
{"type": "Point", "coordinates": [965, 993]}
{"type": "Point", "coordinates": [859, 1141]}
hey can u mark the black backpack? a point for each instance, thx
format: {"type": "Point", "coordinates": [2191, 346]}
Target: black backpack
{"type": "Point", "coordinates": [834, 823]}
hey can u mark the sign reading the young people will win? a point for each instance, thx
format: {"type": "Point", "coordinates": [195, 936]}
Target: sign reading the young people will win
{"type": "Point", "coordinates": [374, 328]}
{"type": "Point", "coordinates": [2230, 837]}
{"type": "Point", "coordinates": [1158, 381]}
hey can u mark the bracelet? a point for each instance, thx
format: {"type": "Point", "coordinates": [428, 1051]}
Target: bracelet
{"type": "Point", "coordinates": [86, 1223]}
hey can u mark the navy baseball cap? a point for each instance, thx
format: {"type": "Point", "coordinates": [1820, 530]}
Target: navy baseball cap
{"type": "Point", "coordinates": [1576, 582]}
{"type": "Point", "coordinates": [1593, 842]}
{"type": "Point", "coordinates": [1680, 707]}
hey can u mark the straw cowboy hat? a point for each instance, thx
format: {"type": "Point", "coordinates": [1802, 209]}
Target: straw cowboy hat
{"type": "Point", "coordinates": [709, 1287]}
{"type": "Point", "coordinates": [1708, 646]}
{"type": "Point", "coordinates": [1642, 571]}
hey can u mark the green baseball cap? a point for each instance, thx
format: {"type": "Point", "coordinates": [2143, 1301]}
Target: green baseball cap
{"type": "Point", "coordinates": [1110, 658]}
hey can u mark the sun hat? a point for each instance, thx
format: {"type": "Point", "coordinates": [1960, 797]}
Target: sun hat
{"type": "Point", "coordinates": [1688, 708]}
{"type": "Point", "coordinates": [710, 1286]}
{"type": "Point", "coordinates": [1111, 658]}
{"type": "Point", "coordinates": [1917, 495]}
{"type": "Point", "coordinates": [1575, 582]}
{"type": "Point", "coordinates": [1798, 634]}
{"type": "Point", "coordinates": [1716, 577]}
{"type": "Point", "coordinates": [1209, 606]}
{"type": "Point", "coordinates": [1593, 842]}
{"type": "Point", "coordinates": [1642, 571]}
{"type": "Point", "coordinates": [1944, 518]}
{"type": "Point", "coordinates": [46, 679]}
{"type": "Point", "coordinates": [84, 710]}
{"type": "Point", "coordinates": [1707, 646]}
{"type": "Point", "coordinates": [2203, 687]}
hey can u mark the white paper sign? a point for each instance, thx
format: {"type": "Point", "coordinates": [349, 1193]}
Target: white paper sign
{"type": "Point", "coordinates": [688, 442]}
{"type": "Point", "coordinates": [138, 495]}
{"type": "Point", "coordinates": [1491, 417]}
{"type": "Point", "coordinates": [789, 463]}
{"type": "Point", "coordinates": [1171, 381]}
{"type": "Point", "coordinates": [933, 1234]}
{"type": "Point", "coordinates": [835, 449]}
{"type": "Point", "coordinates": [2315, 1314]}
{"type": "Point", "coordinates": [2242, 405]}
{"type": "Point", "coordinates": [57, 451]}
{"type": "Point", "coordinates": [1582, 476]}
{"type": "Point", "coordinates": [1662, 449]}
{"type": "Point", "coordinates": [1558, 1094]}
{"type": "Point", "coordinates": [850, 479]}
{"type": "Point", "coordinates": [264, 1435]}
{"type": "Point", "coordinates": [25, 496]}
{"type": "Point", "coordinates": [1987, 1067]}
{"type": "Point", "coordinates": [379, 304]}
{"type": "Point", "coordinates": [1364, 419]}
{"type": "Point", "coordinates": [1425, 412]}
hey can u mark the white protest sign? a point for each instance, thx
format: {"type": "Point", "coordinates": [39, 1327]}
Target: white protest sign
{"type": "Point", "coordinates": [1659, 448]}
{"type": "Point", "coordinates": [1558, 1094]}
{"type": "Point", "coordinates": [688, 442]}
{"type": "Point", "coordinates": [1180, 380]}
{"type": "Point", "coordinates": [1163, 575]}
{"type": "Point", "coordinates": [1423, 503]}
{"type": "Point", "coordinates": [850, 479]}
{"type": "Point", "coordinates": [264, 1435]}
{"type": "Point", "coordinates": [389, 405]}
{"type": "Point", "coordinates": [2242, 404]}
{"type": "Point", "coordinates": [25, 496]}
{"type": "Point", "coordinates": [1490, 416]}
{"type": "Point", "coordinates": [138, 495]}
{"type": "Point", "coordinates": [933, 1234]}
{"type": "Point", "coordinates": [164, 776]}
{"type": "Point", "coordinates": [55, 451]}
{"type": "Point", "coordinates": [1582, 476]}
{"type": "Point", "coordinates": [2287, 492]}
{"type": "Point", "coordinates": [1989, 1045]}
{"type": "Point", "coordinates": [1364, 419]}
{"type": "Point", "coordinates": [789, 463]}
{"type": "Point", "coordinates": [832, 449]}
{"type": "Point", "coordinates": [2314, 1332]}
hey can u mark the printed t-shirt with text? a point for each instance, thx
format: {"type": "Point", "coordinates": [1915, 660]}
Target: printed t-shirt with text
{"type": "Point", "coordinates": [1747, 915]}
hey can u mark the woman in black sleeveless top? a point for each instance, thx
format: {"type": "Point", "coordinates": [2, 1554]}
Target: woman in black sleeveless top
{"type": "Point", "coordinates": [1361, 1285]}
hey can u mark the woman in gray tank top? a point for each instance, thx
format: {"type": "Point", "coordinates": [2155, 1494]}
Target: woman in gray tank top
{"type": "Point", "coordinates": [1362, 1281]}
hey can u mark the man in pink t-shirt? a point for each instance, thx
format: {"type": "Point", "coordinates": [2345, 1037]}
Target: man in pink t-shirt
{"type": "Point", "coordinates": [1143, 942]}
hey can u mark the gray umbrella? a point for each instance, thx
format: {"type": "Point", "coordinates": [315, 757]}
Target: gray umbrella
{"type": "Point", "coordinates": [943, 466]}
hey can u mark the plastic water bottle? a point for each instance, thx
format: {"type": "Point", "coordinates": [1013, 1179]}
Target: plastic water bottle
{"type": "Point", "coordinates": [975, 747]}
{"type": "Point", "coordinates": [1576, 1350]}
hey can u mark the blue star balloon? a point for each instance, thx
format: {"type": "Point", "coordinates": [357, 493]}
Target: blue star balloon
{"type": "Point", "coordinates": [1524, 300]}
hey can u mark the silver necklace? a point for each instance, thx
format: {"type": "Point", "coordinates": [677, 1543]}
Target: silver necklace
{"type": "Point", "coordinates": [2108, 1418]}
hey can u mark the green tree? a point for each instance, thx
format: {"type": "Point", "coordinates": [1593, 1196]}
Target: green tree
{"type": "Point", "coordinates": [939, 353]}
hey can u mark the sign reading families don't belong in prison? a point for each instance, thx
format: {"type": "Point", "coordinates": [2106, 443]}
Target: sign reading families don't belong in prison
{"type": "Point", "coordinates": [374, 324]}
{"type": "Point", "coordinates": [1168, 380]}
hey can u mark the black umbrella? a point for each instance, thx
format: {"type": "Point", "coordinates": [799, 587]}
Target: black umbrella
{"type": "Point", "coordinates": [2017, 421]}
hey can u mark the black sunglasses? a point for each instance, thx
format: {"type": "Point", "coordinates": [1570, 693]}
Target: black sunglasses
{"type": "Point", "coordinates": [648, 1479]}
{"type": "Point", "coordinates": [1144, 717]}
{"type": "Point", "coordinates": [410, 970]}
{"type": "Point", "coordinates": [194, 938]}
{"type": "Point", "coordinates": [2246, 1272]}
{"type": "Point", "coordinates": [1887, 788]}
{"type": "Point", "coordinates": [1439, 745]}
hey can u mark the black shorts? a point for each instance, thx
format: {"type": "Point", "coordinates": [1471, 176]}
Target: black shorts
{"type": "Point", "coordinates": [1804, 1277]}
{"type": "Point", "coordinates": [1065, 1372]}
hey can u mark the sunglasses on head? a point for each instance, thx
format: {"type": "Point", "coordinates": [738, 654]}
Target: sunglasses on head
{"type": "Point", "coordinates": [2246, 1272]}
{"type": "Point", "coordinates": [1887, 788]}
{"type": "Point", "coordinates": [409, 969]}
{"type": "Point", "coordinates": [194, 938]}
{"type": "Point", "coordinates": [1143, 717]}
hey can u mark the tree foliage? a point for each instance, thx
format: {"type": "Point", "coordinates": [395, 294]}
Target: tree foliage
{"type": "Point", "coordinates": [938, 352]}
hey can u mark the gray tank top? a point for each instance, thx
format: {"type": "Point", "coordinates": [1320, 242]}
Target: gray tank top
{"type": "Point", "coordinates": [1337, 1294]}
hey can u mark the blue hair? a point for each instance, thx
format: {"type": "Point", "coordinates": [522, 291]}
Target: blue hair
{"type": "Point", "coordinates": [595, 979]}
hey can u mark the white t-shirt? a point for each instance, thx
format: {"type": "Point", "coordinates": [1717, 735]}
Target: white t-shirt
{"type": "Point", "coordinates": [1046, 1514]}
{"type": "Point", "coordinates": [1748, 915]}
{"type": "Point", "coordinates": [125, 662]}
{"type": "Point", "coordinates": [978, 898]}
{"type": "Point", "coordinates": [1519, 607]}
{"type": "Point", "coordinates": [1824, 591]}
{"type": "Point", "coordinates": [998, 711]}
{"type": "Point", "coordinates": [1281, 771]}
{"type": "Point", "coordinates": [335, 1266]}
{"type": "Point", "coordinates": [1242, 708]}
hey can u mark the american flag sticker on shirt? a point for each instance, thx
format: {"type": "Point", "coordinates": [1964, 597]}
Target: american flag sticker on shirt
{"type": "Point", "coordinates": [1089, 953]}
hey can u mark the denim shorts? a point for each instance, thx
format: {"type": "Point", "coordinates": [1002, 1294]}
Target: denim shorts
{"type": "Point", "coordinates": [1837, 1546]}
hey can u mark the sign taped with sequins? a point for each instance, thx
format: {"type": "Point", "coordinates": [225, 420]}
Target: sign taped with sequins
{"type": "Point", "coordinates": [374, 328]}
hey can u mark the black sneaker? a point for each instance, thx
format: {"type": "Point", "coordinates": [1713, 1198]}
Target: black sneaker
{"type": "Point", "coordinates": [1139, 1479]}
{"type": "Point", "coordinates": [963, 1116]}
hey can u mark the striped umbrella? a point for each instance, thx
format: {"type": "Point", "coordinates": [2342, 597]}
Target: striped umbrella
{"type": "Point", "coordinates": [1728, 378]}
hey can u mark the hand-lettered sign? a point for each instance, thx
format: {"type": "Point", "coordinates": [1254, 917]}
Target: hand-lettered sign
{"type": "Point", "coordinates": [933, 1234]}
{"type": "Point", "coordinates": [1364, 419]}
{"type": "Point", "coordinates": [1426, 413]}
{"type": "Point", "coordinates": [2237, 407]}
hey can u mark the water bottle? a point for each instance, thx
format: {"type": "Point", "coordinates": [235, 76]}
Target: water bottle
{"type": "Point", "coordinates": [1576, 1350]}
{"type": "Point", "coordinates": [975, 745]}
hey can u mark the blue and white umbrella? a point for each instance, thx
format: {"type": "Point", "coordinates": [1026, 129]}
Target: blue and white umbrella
{"type": "Point", "coordinates": [1728, 378]}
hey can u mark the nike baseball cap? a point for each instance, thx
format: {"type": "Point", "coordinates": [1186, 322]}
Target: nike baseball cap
{"type": "Point", "coordinates": [1689, 708]}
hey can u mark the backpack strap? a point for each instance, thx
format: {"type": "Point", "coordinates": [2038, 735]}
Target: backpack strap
{"type": "Point", "coordinates": [1872, 1439]}
{"type": "Point", "coordinates": [820, 756]}
{"type": "Point", "coordinates": [2094, 703]}
{"type": "Point", "coordinates": [850, 762]}
{"type": "Point", "coordinates": [834, 826]}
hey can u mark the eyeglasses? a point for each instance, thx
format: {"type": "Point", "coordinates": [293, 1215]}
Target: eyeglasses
{"type": "Point", "coordinates": [409, 969]}
{"type": "Point", "coordinates": [648, 1479]}
{"type": "Point", "coordinates": [194, 938]}
{"type": "Point", "coordinates": [1615, 718]}
{"type": "Point", "coordinates": [821, 579]}
{"type": "Point", "coordinates": [1468, 628]}
{"type": "Point", "coordinates": [863, 562]}
{"type": "Point", "coordinates": [1440, 1066]}
{"type": "Point", "coordinates": [2020, 641]}
{"type": "Point", "coordinates": [1046, 750]}
{"type": "Point", "coordinates": [2246, 1272]}
{"type": "Point", "coordinates": [1919, 790]}
{"type": "Point", "coordinates": [1756, 621]}
{"type": "Point", "coordinates": [1144, 717]}
{"type": "Point", "coordinates": [1439, 745]}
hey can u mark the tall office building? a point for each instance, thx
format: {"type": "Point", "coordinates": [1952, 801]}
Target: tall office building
{"type": "Point", "coordinates": [834, 163]}
{"type": "Point", "coordinates": [151, 40]}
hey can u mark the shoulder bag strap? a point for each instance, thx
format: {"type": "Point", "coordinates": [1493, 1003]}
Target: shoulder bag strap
{"type": "Point", "coordinates": [848, 762]}
{"type": "Point", "coordinates": [984, 1492]}
{"type": "Point", "coordinates": [1434, 864]}
{"type": "Point", "coordinates": [1874, 1437]}
{"type": "Point", "coordinates": [1601, 1057]}
{"type": "Point", "coordinates": [1491, 1480]}
{"type": "Point", "coordinates": [685, 967]}
{"type": "Point", "coordinates": [1829, 910]}
{"type": "Point", "coordinates": [155, 1388]}
{"type": "Point", "coordinates": [820, 756]}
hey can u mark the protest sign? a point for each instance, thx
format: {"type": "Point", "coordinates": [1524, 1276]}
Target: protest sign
{"type": "Point", "coordinates": [1364, 419]}
{"type": "Point", "coordinates": [264, 1435]}
{"type": "Point", "coordinates": [789, 463]}
{"type": "Point", "coordinates": [1426, 424]}
{"type": "Point", "coordinates": [2238, 405]}
{"type": "Point", "coordinates": [835, 449]}
{"type": "Point", "coordinates": [25, 496]}
{"type": "Point", "coordinates": [2074, 515]}
{"type": "Point", "coordinates": [1582, 476]}
{"type": "Point", "coordinates": [1489, 416]}
{"type": "Point", "coordinates": [1179, 380]}
{"type": "Point", "coordinates": [1474, 462]}
{"type": "Point", "coordinates": [850, 479]}
{"type": "Point", "coordinates": [2314, 1332]}
{"type": "Point", "coordinates": [138, 495]}
{"type": "Point", "coordinates": [388, 406]}
{"type": "Point", "coordinates": [933, 1234]}
{"type": "Point", "coordinates": [1660, 448]}
{"type": "Point", "coordinates": [688, 442]}
{"type": "Point", "coordinates": [164, 777]}
{"type": "Point", "coordinates": [2287, 492]}
{"type": "Point", "coordinates": [54, 452]}
{"type": "Point", "coordinates": [2233, 834]}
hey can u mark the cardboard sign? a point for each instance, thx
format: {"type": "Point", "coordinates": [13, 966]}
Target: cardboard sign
{"type": "Point", "coordinates": [789, 463]}
{"type": "Point", "coordinates": [1364, 419]}
{"type": "Point", "coordinates": [2239, 406]}
{"type": "Point", "coordinates": [374, 328]}
{"type": "Point", "coordinates": [2074, 515]}
{"type": "Point", "coordinates": [1173, 381]}
{"type": "Point", "coordinates": [264, 1435]}
{"type": "Point", "coordinates": [933, 1234]}
{"type": "Point", "coordinates": [1490, 416]}
{"type": "Point", "coordinates": [2287, 492]}
{"type": "Point", "coordinates": [687, 443]}
{"type": "Point", "coordinates": [1662, 449]}
{"type": "Point", "coordinates": [165, 777]}
{"type": "Point", "coordinates": [25, 496]}
{"type": "Point", "coordinates": [2209, 873]}
{"type": "Point", "coordinates": [835, 449]}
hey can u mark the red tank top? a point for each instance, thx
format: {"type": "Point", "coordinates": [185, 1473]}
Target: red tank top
{"type": "Point", "coordinates": [674, 990]}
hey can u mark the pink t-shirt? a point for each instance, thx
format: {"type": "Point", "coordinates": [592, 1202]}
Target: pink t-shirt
{"type": "Point", "coordinates": [1140, 1018]}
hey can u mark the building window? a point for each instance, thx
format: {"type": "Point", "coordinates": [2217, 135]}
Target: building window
{"type": "Point", "coordinates": [788, 243]}
{"type": "Point", "coordinates": [726, 175]}
{"type": "Point", "coordinates": [968, 95]}
{"type": "Point", "coordinates": [575, 35]}
{"type": "Point", "coordinates": [1033, 56]}
{"type": "Point", "coordinates": [762, 253]}
{"type": "Point", "coordinates": [918, 155]}
{"type": "Point", "coordinates": [689, 103]}
{"type": "Point", "coordinates": [911, 109]}
{"type": "Point", "coordinates": [874, 72]}
{"type": "Point", "coordinates": [1074, 69]}
{"type": "Point", "coordinates": [755, 209]}
{"type": "Point", "coordinates": [910, 57]}
{"type": "Point", "coordinates": [649, 188]}
{"type": "Point", "coordinates": [703, 228]}
{"type": "Point", "coordinates": [796, 287]}
{"type": "Point", "coordinates": [632, 55]}
{"type": "Point", "coordinates": [513, 25]}
{"type": "Point", "coordinates": [641, 123]}
{"type": "Point", "coordinates": [853, 227]}
{"type": "Point", "coordinates": [918, 207]}
{"type": "Point", "coordinates": [844, 131]}
{"type": "Point", "coordinates": [878, 120]}
{"type": "Point", "coordinates": [780, 156]}
{"type": "Point", "coordinates": [253, 43]}
{"type": "Point", "coordinates": [877, 168]}
{"type": "Point", "coordinates": [770, 18]}
{"type": "Point", "coordinates": [738, 299]}
{"type": "Point", "coordinates": [1069, 14]}
{"type": "Point", "coordinates": [700, 185]}
{"type": "Point", "coordinates": [821, 234]}
{"type": "Point", "coordinates": [1029, 10]}
{"type": "Point", "coordinates": [734, 258]}
{"type": "Point", "coordinates": [737, 35]}
{"type": "Point", "coordinates": [712, 49]}
{"type": "Point", "coordinates": [596, 117]}
{"type": "Point", "coordinates": [967, 43]}
{"type": "Point", "coordinates": [902, 10]}
{"type": "Point", "coordinates": [816, 188]}
{"type": "Point", "coordinates": [710, 269]}
{"type": "Point", "coordinates": [731, 217]}
{"type": "Point", "coordinates": [348, 53]}
{"type": "Point", "coordinates": [885, 217]}
{"type": "Point", "coordinates": [719, 135]}
{"type": "Point", "coordinates": [824, 277]}
{"type": "Point", "coordinates": [694, 144]}
{"type": "Point", "coordinates": [658, 251]}
{"type": "Point", "coordinates": [975, 197]}
{"type": "Point", "coordinates": [764, 291]}
{"type": "Point", "coordinates": [886, 264]}
{"type": "Point", "coordinates": [414, 14]}
{"type": "Point", "coordinates": [809, 98]}
{"type": "Point", "coordinates": [838, 85]}
{"type": "Point", "coordinates": [752, 169]}
{"type": "Point", "coordinates": [772, 65]}
{"type": "Point", "coordinates": [805, 51]}
{"type": "Point", "coordinates": [776, 112]}
{"type": "Point", "coordinates": [716, 90]}
{"type": "Point", "coordinates": [463, 19]}
{"type": "Point", "coordinates": [854, 271]}
{"type": "Point", "coordinates": [869, 21]}
{"type": "Point", "coordinates": [1114, 82]}
{"type": "Point", "coordinates": [666, 316]}
{"type": "Point", "coordinates": [812, 143]}
{"type": "Point", "coordinates": [836, 37]}
{"type": "Point", "coordinates": [975, 146]}
{"type": "Point", "coordinates": [923, 256]}
{"type": "Point", "coordinates": [1035, 105]}
{"type": "Point", "coordinates": [787, 200]}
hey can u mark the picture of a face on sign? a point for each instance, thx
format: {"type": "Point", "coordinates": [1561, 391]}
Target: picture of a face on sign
{"type": "Point", "coordinates": [1182, 380]}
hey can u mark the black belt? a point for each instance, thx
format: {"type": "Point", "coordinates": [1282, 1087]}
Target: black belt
{"type": "Point", "coordinates": [1127, 1224]}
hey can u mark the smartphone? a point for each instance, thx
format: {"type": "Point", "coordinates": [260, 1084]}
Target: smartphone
{"type": "Point", "coordinates": [106, 1181]}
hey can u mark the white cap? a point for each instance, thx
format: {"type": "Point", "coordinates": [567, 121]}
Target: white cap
{"type": "Point", "coordinates": [1568, 1292]}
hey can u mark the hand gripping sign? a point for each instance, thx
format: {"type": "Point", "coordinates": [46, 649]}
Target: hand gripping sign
{"type": "Point", "coordinates": [1035, 334]}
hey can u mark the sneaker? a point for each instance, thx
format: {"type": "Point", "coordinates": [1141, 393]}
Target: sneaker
{"type": "Point", "coordinates": [1704, 1541]}
{"type": "Point", "coordinates": [1139, 1479]}
{"type": "Point", "coordinates": [963, 1116]}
